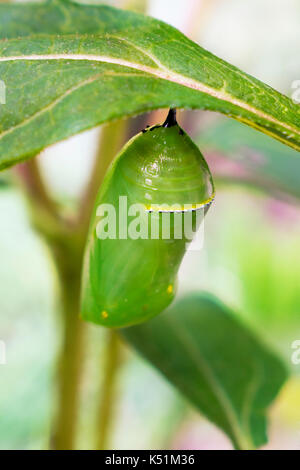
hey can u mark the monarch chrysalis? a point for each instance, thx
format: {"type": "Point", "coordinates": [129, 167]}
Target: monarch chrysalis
{"type": "Point", "coordinates": [131, 261]}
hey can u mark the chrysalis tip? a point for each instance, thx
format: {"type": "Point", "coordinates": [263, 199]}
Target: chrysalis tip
{"type": "Point", "coordinates": [171, 118]}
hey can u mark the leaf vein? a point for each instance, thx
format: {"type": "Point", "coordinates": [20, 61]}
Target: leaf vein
{"type": "Point", "coordinates": [165, 74]}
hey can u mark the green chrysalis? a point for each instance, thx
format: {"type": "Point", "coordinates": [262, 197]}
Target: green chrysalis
{"type": "Point", "coordinates": [145, 214]}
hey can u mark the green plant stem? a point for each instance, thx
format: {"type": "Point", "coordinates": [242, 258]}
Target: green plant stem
{"type": "Point", "coordinates": [71, 354]}
{"type": "Point", "coordinates": [66, 246]}
{"type": "Point", "coordinates": [108, 391]}
{"type": "Point", "coordinates": [66, 240]}
{"type": "Point", "coordinates": [44, 211]}
{"type": "Point", "coordinates": [111, 139]}
{"type": "Point", "coordinates": [36, 187]}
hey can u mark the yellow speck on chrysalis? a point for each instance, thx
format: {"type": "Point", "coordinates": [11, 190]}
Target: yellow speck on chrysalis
{"type": "Point", "coordinates": [104, 314]}
{"type": "Point", "coordinates": [170, 289]}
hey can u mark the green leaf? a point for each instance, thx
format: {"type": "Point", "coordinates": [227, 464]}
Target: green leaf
{"type": "Point", "coordinates": [268, 163]}
{"type": "Point", "coordinates": [69, 67]}
{"type": "Point", "coordinates": [216, 363]}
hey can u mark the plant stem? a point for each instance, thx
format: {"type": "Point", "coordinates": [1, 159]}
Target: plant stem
{"type": "Point", "coordinates": [44, 211]}
{"type": "Point", "coordinates": [68, 254]}
{"type": "Point", "coordinates": [66, 246]}
{"type": "Point", "coordinates": [108, 391]}
{"type": "Point", "coordinates": [111, 139]}
{"type": "Point", "coordinates": [36, 187]}
{"type": "Point", "coordinates": [70, 358]}
{"type": "Point", "coordinates": [66, 240]}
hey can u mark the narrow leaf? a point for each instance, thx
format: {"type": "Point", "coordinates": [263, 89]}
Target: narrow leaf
{"type": "Point", "coordinates": [216, 363]}
{"type": "Point", "coordinates": [266, 162]}
{"type": "Point", "coordinates": [68, 67]}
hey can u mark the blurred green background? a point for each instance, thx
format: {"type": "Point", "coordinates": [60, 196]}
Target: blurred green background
{"type": "Point", "coordinates": [250, 259]}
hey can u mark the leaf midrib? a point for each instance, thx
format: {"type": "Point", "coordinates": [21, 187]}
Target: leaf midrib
{"type": "Point", "coordinates": [161, 73]}
{"type": "Point", "coordinates": [243, 440]}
